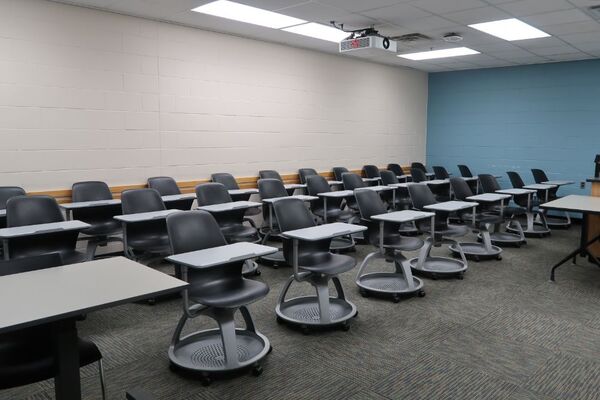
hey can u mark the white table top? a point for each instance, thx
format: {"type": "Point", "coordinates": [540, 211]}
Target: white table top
{"type": "Point", "coordinates": [559, 183]}
{"type": "Point", "coordinates": [375, 188]}
{"type": "Point", "coordinates": [175, 197]}
{"type": "Point", "coordinates": [515, 191]}
{"type": "Point", "coordinates": [469, 178]}
{"type": "Point", "coordinates": [3, 212]}
{"type": "Point", "coordinates": [451, 206]}
{"type": "Point", "coordinates": [147, 216]}
{"type": "Point", "coordinates": [539, 186]}
{"type": "Point", "coordinates": [489, 197]}
{"type": "Point", "coordinates": [233, 205]}
{"type": "Point", "coordinates": [437, 182]}
{"type": "Point", "coordinates": [294, 186]}
{"type": "Point", "coordinates": [90, 204]}
{"type": "Point", "coordinates": [302, 197]}
{"type": "Point", "coordinates": [399, 185]}
{"type": "Point", "coordinates": [37, 297]}
{"type": "Point", "coordinates": [402, 216]}
{"type": "Point", "coordinates": [576, 203]}
{"type": "Point", "coordinates": [333, 183]}
{"type": "Point", "coordinates": [39, 229]}
{"type": "Point", "coordinates": [429, 173]}
{"type": "Point", "coordinates": [337, 194]}
{"type": "Point", "coordinates": [371, 179]}
{"type": "Point", "coordinates": [222, 254]}
{"type": "Point", "coordinates": [325, 231]}
{"type": "Point", "coordinates": [242, 191]}
{"type": "Point", "coordinates": [402, 176]}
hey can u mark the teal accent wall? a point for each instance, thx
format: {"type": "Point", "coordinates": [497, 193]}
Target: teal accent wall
{"type": "Point", "coordinates": [516, 118]}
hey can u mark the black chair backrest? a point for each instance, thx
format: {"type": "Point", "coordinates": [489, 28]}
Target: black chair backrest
{"type": "Point", "coordinates": [418, 165]}
{"type": "Point", "coordinates": [6, 192]}
{"type": "Point", "coordinates": [90, 191]}
{"type": "Point", "coordinates": [292, 214]}
{"type": "Point", "coordinates": [396, 169]}
{"type": "Point", "coordinates": [193, 230]}
{"type": "Point", "coordinates": [352, 181]}
{"type": "Point", "coordinates": [371, 171]}
{"type": "Point", "coordinates": [488, 183]}
{"type": "Point", "coordinates": [31, 263]}
{"type": "Point", "coordinates": [388, 177]}
{"type": "Point", "coordinates": [225, 179]}
{"type": "Point", "coordinates": [212, 193]}
{"type": "Point", "coordinates": [338, 172]}
{"type": "Point", "coordinates": [418, 175]}
{"type": "Point", "coordinates": [461, 188]}
{"type": "Point", "coordinates": [515, 179]}
{"type": "Point", "coordinates": [539, 175]}
{"type": "Point", "coordinates": [440, 172]}
{"type": "Point", "coordinates": [316, 184]}
{"type": "Point", "coordinates": [269, 188]}
{"type": "Point", "coordinates": [304, 173]}
{"type": "Point", "coordinates": [269, 174]}
{"type": "Point", "coordinates": [165, 185]}
{"type": "Point", "coordinates": [465, 172]}
{"type": "Point", "coordinates": [31, 210]}
{"type": "Point", "coordinates": [369, 203]}
{"type": "Point", "coordinates": [421, 196]}
{"type": "Point", "coordinates": [141, 200]}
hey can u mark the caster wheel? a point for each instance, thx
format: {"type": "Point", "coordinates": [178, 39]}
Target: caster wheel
{"type": "Point", "coordinates": [257, 370]}
{"type": "Point", "coordinates": [257, 273]}
{"type": "Point", "coordinates": [346, 327]}
{"type": "Point", "coordinates": [461, 277]}
{"type": "Point", "coordinates": [364, 293]}
{"type": "Point", "coordinates": [434, 277]}
{"type": "Point", "coordinates": [173, 367]}
{"type": "Point", "coordinates": [499, 258]}
{"type": "Point", "coordinates": [151, 302]}
{"type": "Point", "coordinates": [305, 330]}
{"type": "Point", "coordinates": [205, 381]}
{"type": "Point", "coordinates": [421, 293]}
{"type": "Point", "coordinates": [279, 320]}
{"type": "Point", "coordinates": [396, 299]}
{"type": "Point", "coordinates": [476, 259]}
{"type": "Point", "coordinates": [270, 350]}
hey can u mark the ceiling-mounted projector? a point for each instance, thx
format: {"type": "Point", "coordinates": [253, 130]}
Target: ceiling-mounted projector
{"type": "Point", "coordinates": [365, 41]}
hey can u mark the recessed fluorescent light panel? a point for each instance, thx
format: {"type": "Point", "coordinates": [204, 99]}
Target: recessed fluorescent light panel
{"type": "Point", "coordinates": [429, 55]}
{"type": "Point", "coordinates": [319, 31]}
{"type": "Point", "coordinates": [510, 29]}
{"type": "Point", "coordinates": [248, 14]}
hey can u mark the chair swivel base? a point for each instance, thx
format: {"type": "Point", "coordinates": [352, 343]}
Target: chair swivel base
{"type": "Point", "coordinates": [389, 284]}
{"type": "Point", "coordinates": [250, 268]}
{"type": "Point", "coordinates": [533, 228]}
{"type": "Point", "coordinates": [558, 222]}
{"type": "Point", "coordinates": [304, 313]}
{"type": "Point", "coordinates": [202, 353]}
{"type": "Point", "coordinates": [342, 245]}
{"type": "Point", "coordinates": [477, 251]}
{"type": "Point", "coordinates": [439, 267]}
{"type": "Point", "coordinates": [505, 239]}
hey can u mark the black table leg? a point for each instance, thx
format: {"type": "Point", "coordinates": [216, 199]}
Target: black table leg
{"type": "Point", "coordinates": [67, 385]}
{"type": "Point", "coordinates": [581, 250]}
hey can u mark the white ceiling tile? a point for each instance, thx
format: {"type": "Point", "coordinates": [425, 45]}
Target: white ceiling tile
{"type": "Point", "coordinates": [397, 14]}
{"type": "Point", "coordinates": [557, 17]}
{"type": "Point", "coordinates": [554, 50]}
{"type": "Point", "coordinates": [358, 5]}
{"type": "Point", "coordinates": [429, 23]}
{"type": "Point", "coordinates": [568, 57]}
{"type": "Point", "coordinates": [575, 27]}
{"type": "Point", "coordinates": [530, 7]}
{"type": "Point", "coordinates": [314, 12]}
{"type": "Point", "coordinates": [447, 6]}
{"type": "Point", "coordinates": [477, 15]}
{"type": "Point", "coordinates": [538, 43]}
{"type": "Point", "coordinates": [269, 4]}
{"type": "Point", "coordinates": [578, 38]}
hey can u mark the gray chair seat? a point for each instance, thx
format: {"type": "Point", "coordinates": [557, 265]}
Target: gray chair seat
{"type": "Point", "coordinates": [105, 227]}
{"type": "Point", "coordinates": [244, 292]}
{"type": "Point", "coordinates": [403, 243]}
{"type": "Point", "coordinates": [157, 243]}
{"type": "Point", "coordinates": [241, 233]}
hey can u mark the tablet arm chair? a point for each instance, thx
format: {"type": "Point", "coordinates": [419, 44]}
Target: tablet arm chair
{"type": "Point", "coordinates": [145, 238]}
{"type": "Point", "coordinates": [402, 200]}
{"type": "Point", "coordinates": [32, 210]}
{"type": "Point", "coordinates": [440, 172]}
{"type": "Point", "coordinates": [103, 227]}
{"type": "Point", "coordinates": [312, 262]}
{"type": "Point", "coordinates": [397, 169]}
{"type": "Point", "coordinates": [27, 354]}
{"type": "Point", "coordinates": [230, 183]}
{"type": "Point", "coordinates": [167, 186]}
{"type": "Point", "coordinates": [390, 244]}
{"type": "Point", "coordinates": [371, 171]}
{"type": "Point", "coordinates": [268, 189]}
{"type": "Point", "coordinates": [554, 222]}
{"type": "Point", "coordinates": [465, 171]}
{"type": "Point", "coordinates": [418, 175]}
{"type": "Point", "coordinates": [304, 173]}
{"type": "Point", "coordinates": [272, 174]}
{"type": "Point", "coordinates": [231, 222]}
{"type": "Point", "coordinates": [479, 222]}
{"type": "Point", "coordinates": [338, 172]}
{"type": "Point", "coordinates": [217, 292]}
{"type": "Point", "coordinates": [352, 182]}
{"type": "Point", "coordinates": [514, 237]}
{"type": "Point", "coordinates": [536, 219]}
{"type": "Point", "coordinates": [422, 167]}
{"type": "Point", "coordinates": [440, 232]}
{"type": "Point", "coordinates": [6, 192]}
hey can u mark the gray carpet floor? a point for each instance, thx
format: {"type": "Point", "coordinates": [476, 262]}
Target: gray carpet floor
{"type": "Point", "coordinates": [504, 332]}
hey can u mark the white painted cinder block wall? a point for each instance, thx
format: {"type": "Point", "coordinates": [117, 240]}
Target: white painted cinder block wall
{"type": "Point", "coordinates": [88, 95]}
